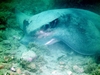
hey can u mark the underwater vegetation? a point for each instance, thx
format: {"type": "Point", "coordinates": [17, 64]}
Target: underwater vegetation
{"type": "Point", "coordinates": [92, 68]}
{"type": "Point", "coordinates": [10, 64]}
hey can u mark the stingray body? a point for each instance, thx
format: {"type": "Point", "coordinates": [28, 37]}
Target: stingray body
{"type": "Point", "coordinates": [77, 28]}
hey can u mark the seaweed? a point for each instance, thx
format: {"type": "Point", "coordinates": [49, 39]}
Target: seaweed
{"type": "Point", "coordinates": [92, 68]}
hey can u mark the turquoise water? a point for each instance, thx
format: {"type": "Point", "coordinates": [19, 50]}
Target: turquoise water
{"type": "Point", "coordinates": [35, 58]}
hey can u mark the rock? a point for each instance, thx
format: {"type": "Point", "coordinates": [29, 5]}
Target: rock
{"type": "Point", "coordinates": [69, 72]}
{"type": "Point", "coordinates": [78, 69]}
{"type": "Point", "coordinates": [29, 56]}
{"type": "Point", "coordinates": [18, 71]}
{"type": "Point", "coordinates": [6, 42]}
{"type": "Point", "coordinates": [32, 67]}
{"type": "Point", "coordinates": [13, 69]}
{"type": "Point", "coordinates": [26, 72]}
{"type": "Point", "coordinates": [1, 66]}
{"type": "Point", "coordinates": [62, 63]}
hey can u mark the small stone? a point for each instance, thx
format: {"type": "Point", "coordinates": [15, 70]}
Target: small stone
{"type": "Point", "coordinates": [26, 73]}
{"type": "Point", "coordinates": [54, 72]}
{"type": "Point", "coordinates": [78, 69]}
{"type": "Point", "coordinates": [62, 63]}
{"type": "Point", "coordinates": [13, 69]}
{"type": "Point", "coordinates": [69, 72]}
{"type": "Point", "coordinates": [32, 66]}
{"type": "Point", "coordinates": [1, 66]}
{"type": "Point", "coordinates": [61, 67]}
{"type": "Point", "coordinates": [18, 71]}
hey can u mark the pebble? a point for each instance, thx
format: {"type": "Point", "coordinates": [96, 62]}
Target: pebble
{"type": "Point", "coordinates": [18, 71]}
{"type": "Point", "coordinates": [77, 69]}
{"type": "Point", "coordinates": [13, 69]}
{"type": "Point", "coordinates": [1, 66]}
{"type": "Point", "coordinates": [32, 66]}
{"type": "Point", "coordinates": [69, 72]}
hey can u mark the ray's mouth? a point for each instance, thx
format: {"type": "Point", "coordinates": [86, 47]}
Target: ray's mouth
{"type": "Point", "coordinates": [43, 34]}
{"type": "Point", "coordinates": [47, 29]}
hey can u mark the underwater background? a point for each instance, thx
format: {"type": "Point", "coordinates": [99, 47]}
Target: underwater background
{"type": "Point", "coordinates": [33, 59]}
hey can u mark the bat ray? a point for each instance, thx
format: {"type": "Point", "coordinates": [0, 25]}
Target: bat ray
{"type": "Point", "coordinates": [77, 28]}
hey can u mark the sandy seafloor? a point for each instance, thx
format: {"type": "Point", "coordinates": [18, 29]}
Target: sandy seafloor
{"type": "Point", "coordinates": [55, 59]}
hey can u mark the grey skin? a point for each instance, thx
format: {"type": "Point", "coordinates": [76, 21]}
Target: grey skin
{"type": "Point", "coordinates": [77, 28]}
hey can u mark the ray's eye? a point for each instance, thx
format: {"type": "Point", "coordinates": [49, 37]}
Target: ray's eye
{"type": "Point", "coordinates": [49, 26]}
{"type": "Point", "coordinates": [53, 24]}
{"type": "Point", "coordinates": [25, 23]}
{"type": "Point", "coordinates": [45, 27]}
